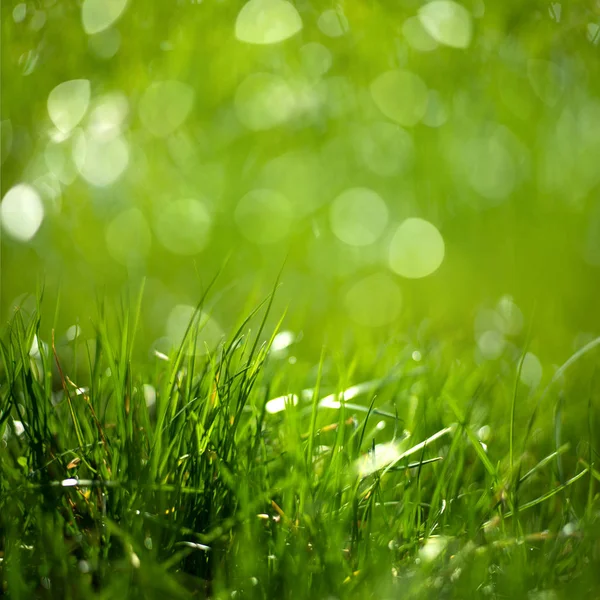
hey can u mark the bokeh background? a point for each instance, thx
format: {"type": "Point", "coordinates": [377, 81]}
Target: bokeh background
{"type": "Point", "coordinates": [407, 164]}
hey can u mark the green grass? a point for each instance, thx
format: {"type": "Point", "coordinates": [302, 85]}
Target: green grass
{"type": "Point", "coordinates": [130, 478]}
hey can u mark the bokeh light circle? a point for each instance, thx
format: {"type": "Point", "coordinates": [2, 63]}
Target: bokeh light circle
{"type": "Point", "coordinates": [264, 216]}
{"type": "Point", "coordinates": [21, 212]}
{"type": "Point", "coordinates": [358, 216]}
{"type": "Point", "coordinates": [183, 226]}
{"type": "Point", "coordinates": [374, 301]}
{"type": "Point", "coordinates": [417, 249]}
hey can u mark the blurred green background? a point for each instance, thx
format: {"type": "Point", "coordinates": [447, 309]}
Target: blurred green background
{"type": "Point", "coordinates": [409, 162]}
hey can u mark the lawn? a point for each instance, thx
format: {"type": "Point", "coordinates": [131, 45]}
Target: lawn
{"type": "Point", "coordinates": [299, 299]}
{"type": "Point", "coordinates": [227, 473]}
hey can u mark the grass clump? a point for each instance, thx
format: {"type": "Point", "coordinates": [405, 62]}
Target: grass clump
{"type": "Point", "coordinates": [226, 472]}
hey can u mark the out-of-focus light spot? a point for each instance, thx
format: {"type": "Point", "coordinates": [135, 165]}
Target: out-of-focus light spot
{"type": "Point", "coordinates": [277, 405]}
{"type": "Point", "coordinates": [38, 20]}
{"type": "Point", "coordinates": [593, 32]}
{"type": "Point", "coordinates": [436, 114]}
{"type": "Point", "coordinates": [478, 9]}
{"type": "Point", "coordinates": [264, 216]}
{"type": "Point", "coordinates": [50, 190]}
{"type": "Point", "coordinates": [73, 332]}
{"type": "Point", "coordinates": [511, 316]}
{"type": "Point", "coordinates": [358, 216]}
{"type": "Point", "coordinates": [100, 161]}
{"type": "Point", "coordinates": [385, 148]}
{"type": "Point", "coordinates": [555, 11]}
{"type": "Point", "coordinates": [491, 344]}
{"type": "Point", "coordinates": [205, 330]}
{"type": "Point", "coordinates": [400, 96]}
{"type": "Point", "coordinates": [416, 356]}
{"type": "Point", "coordinates": [488, 164]}
{"type": "Point", "coordinates": [98, 15]}
{"type": "Point", "coordinates": [531, 370]}
{"type": "Point", "coordinates": [71, 482]}
{"type": "Point", "coordinates": [547, 80]}
{"type": "Point", "coordinates": [19, 12]}
{"type": "Point", "coordinates": [183, 226]}
{"type": "Point", "coordinates": [316, 59]}
{"type": "Point", "coordinates": [488, 319]}
{"type": "Point", "coordinates": [164, 106]}
{"type": "Point", "coordinates": [263, 101]}
{"type": "Point", "coordinates": [21, 212]}
{"type": "Point", "coordinates": [106, 44]}
{"type": "Point", "coordinates": [267, 22]}
{"type": "Point", "coordinates": [374, 301]}
{"type": "Point", "coordinates": [416, 35]}
{"type": "Point", "coordinates": [59, 161]}
{"type": "Point", "coordinates": [68, 103]}
{"type": "Point", "coordinates": [380, 457]}
{"type": "Point", "coordinates": [298, 175]}
{"type": "Point", "coordinates": [333, 23]}
{"type": "Point", "coordinates": [6, 139]}
{"type": "Point", "coordinates": [149, 395]}
{"type": "Point", "coordinates": [417, 249]}
{"type": "Point", "coordinates": [128, 237]}
{"type": "Point", "coordinates": [447, 22]}
{"type": "Point", "coordinates": [28, 61]}
{"type": "Point", "coordinates": [106, 118]}
{"type": "Point", "coordinates": [433, 547]}
{"type": "Point", "coordinates": [282, 340]}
